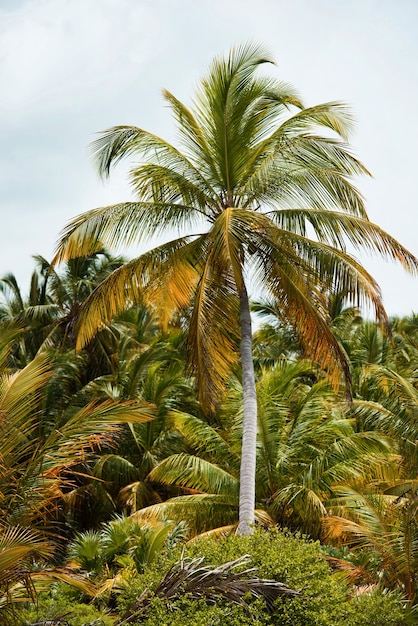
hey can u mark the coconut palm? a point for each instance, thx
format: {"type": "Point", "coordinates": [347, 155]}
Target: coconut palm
{"type": "Point", "coordinates": [120, 473]}
{"type": "Point", "coordinates": [274, 339]}
{"type": "Point", "coordinates": [24, 557]}
{"type": "Point", "coordinates": [32, 314]}
{"type": "Point", "coordinates": [262, 192]}
{"type": "Point", "coordinates": [35, 463]}
{"type": "Point", "coordinates": [150, 367]}
{"type": "Point", "coordinates": [391, 406]}
{"type": "Point", "coordinates": [68, 289]}
{"type": "Point", "coordinates": [405, 339]}
{"type": "Point", "coordinates": [306, 449]}
{"type": "Point", "coordinates": [382, 532]}
{"type": "Point", "coordinates": [47, 315]}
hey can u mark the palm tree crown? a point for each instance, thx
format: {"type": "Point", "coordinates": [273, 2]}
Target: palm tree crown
{"type": "Point", "coordinates": [262, 189]}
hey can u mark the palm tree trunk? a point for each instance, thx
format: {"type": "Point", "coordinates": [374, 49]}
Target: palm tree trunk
{"type": "Point", "coordinates": [249, 434]}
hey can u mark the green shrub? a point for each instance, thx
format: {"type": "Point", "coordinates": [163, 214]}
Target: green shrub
{"type": "Point", "coordinates": [54, 607]}
{"type": "Point", "coordinates": [62, 602]}
{"type": "Point", "coordinates": [281, 556]}
{"type": "Point", "coordinates": [198, 613]}
{"type": "Point", "coordinates": [371, 610]}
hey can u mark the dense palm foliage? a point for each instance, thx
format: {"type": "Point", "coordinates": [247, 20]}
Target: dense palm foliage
{"type": "Point", "coordinates": [307, 449]}
{"type": "Point", "coordinates": [261, 191]}
{"type": "Point", "coordinates": [42, 449]}
{"type": "Point", "coordinates": [344, 473]}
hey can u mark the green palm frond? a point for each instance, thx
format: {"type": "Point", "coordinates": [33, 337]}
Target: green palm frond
{"type": "Point", "coordinates": [194, 473]}
{"type": "Point", "coordinates": [336, 116]}
{"type": "Point", "coordinates": [120, 224]}
{"type": "Point", "coordinates": [335, 227]}
{"type": "Point", "coordinates": [304, 502]}
{"type": "Point", "coordinates": [90, 427]}
{"type": "Point", "coordinates": [201, 512]}
{"type": "Point", "coordinates": [384, 528]}
{"type": "Point", "coordinates": [307, 448]}
{"type": "Point", "coordinates": [391, 405]}
{"type": "Point", "coordinates": [121, 141]}
{"type": "Point", "coordinates": [115, 468]}
{"type": "Point", "coordinates": [204, 439]}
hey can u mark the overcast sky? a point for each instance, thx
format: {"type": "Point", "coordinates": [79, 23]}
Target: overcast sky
{"type": "Point", "coordinates": [71, 68]}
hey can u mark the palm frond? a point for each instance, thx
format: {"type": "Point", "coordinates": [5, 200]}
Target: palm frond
{"type": "Point", "coordinates": [89, 428]}
{"type": "Point", "coordinates": [335, 226]}
{"type": "Point", "coordinates": [147, 276]}
{"type": "Point", "coordinates": [194, 473]}
{"type": "Point", "coordinates": [200, 512]}
{"type": "Point", "coordinates": [203, 438]}
{"type": "Point", "coordinates": [20, 393]}
{"type": "Point", "coordinates": [190, 576]}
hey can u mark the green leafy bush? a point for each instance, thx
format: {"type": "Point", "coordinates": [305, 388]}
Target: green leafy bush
{"type": "Point", "coordinates": [98, 551]}
{"type": "Point", "coordinates": [50, 609]}
{"type": "Point", "coordinates": [198, 613]}
{"type": "Point", "coordinates": [281, 556]}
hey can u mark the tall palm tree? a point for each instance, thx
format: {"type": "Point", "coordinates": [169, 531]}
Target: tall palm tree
{"type": "Point", "coordinates": [266, 187]}
{"type": "Point", "coordinates": [306, 449]}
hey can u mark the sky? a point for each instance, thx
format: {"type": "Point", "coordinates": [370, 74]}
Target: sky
{"type": "Point", "coordinates": [72, 68]}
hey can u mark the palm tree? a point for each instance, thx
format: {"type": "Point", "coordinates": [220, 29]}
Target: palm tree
{"type": "Point", "coordinates": [259, 194]}
{"type": "Point", "coordinates": [47, 315]}
{"type": "Point", "coordinates": [32, 314]}
{"type": "Point", "coordinates": [390, 404]}
{"type": "Point", "coordinates": [121, 471]}
{"type": "Point", "coordinates": [37, 470]}
{"type": "Point", "coordinates": [404, 331]}
{"type": "Point", "coordinates": [68, 289]}
{"type": "Point", "coordinates": [306, 449]}
{"type": "Point", "coordinates": [24, 555]}
{"type": "Point", "coordinates": [382, 532]}
{"type": "Point", "coordinates": [34, 464]}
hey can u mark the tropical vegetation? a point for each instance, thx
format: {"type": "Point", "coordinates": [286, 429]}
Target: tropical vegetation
{"type": "Point", "coordinates": [262, 191]}
{"type": "Point", "coordinates": [128, 388]}
{"type": "Point", "coordinates": [106, 472]}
